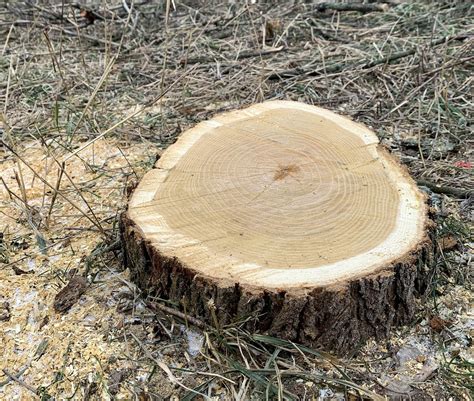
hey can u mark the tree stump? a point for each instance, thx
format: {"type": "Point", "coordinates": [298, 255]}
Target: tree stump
{"type": "Point", "coordinates": [286, 218]}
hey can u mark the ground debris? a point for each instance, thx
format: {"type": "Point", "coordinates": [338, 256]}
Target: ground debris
{"type": "Point", "coordinates": [70, 294]}
{"type": "Point", "coordinates": [438, 324]}
{"type": "Point", "coordinates": [19, 271]}
{"type": "Point", "coordinates": [448, 242]}
{"type": "Point", "coordinates": [385, 69]}
{"type": "Point", "coordinates": [415, 363]}
{"type": "Point", "coordinates": [116, 378]}
{"type": "Point", "coordinates": [4, 310]}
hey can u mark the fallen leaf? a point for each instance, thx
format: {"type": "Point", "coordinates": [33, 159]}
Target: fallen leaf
{"type": "Point", "coordinates": [70, 294]}
{"type": "Point", "coordinates": [438, 324]}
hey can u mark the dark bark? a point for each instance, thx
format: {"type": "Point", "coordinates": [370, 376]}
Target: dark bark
{"type": "Point", "coordinates": [339, 318]}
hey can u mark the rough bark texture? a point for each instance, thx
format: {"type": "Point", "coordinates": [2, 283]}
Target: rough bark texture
{"type": "Point", "coordinates": [338, 317]}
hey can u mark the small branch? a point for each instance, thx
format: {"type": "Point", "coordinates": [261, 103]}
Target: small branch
{"type": "Point", "coordinates": [457, 192]}
{"type": "Point", "coordinates": [362, 64]}
{"type": "Point", "coordinates": [241, 55]}
{"type": "Point", "coordinates": [163, 366]}
{"type": "Point", "coordinates": [20, 382]}
{"type": "Point", "coordinates": [358, 7]}
{"type": "Point", "coordinates": [195, 322]}
{"type": "Point", "coordinates": [20, 372]}
{"type": "Point", "coordinates": [92, 39]}
{"type": "Point", "coordinates": [55, 192]}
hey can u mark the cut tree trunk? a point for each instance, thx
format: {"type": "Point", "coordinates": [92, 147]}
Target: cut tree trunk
{"type": "Point", "coordinates": [286, 218]}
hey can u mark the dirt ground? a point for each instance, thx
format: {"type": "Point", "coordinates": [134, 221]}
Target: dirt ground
{"type": "Point", "coordinates": [92, 91]}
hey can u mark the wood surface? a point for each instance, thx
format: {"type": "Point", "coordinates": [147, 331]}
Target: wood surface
{"type": "Point", "coordinates": [287, 217]}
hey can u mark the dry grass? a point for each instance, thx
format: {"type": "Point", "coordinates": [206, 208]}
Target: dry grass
{"type": "Point", "coordinates": [91, 93]}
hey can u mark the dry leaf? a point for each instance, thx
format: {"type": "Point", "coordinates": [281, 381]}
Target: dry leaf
{"type": "Point", "coordinates": [70, 294]}
{"type": "Point", "coordinates": [438, 324]}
